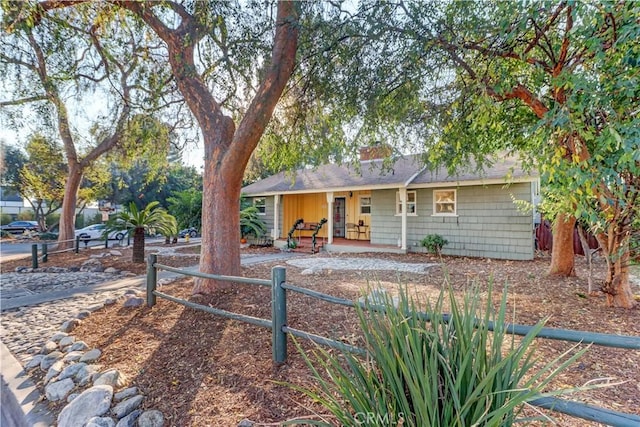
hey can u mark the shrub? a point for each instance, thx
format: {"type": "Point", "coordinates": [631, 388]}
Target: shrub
{"type": "Point", "coordinates": [442, 372]}
{"type": "Point", "coordinates": [48, 236]}
{"type": "Point", "coordinates": [5, 219]}
{"type": "Point", "coordinates": [26, 215]}
{"type": "Point", "coordinates": [434, 243]}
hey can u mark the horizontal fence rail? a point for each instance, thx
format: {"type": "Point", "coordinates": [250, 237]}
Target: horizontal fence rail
{"type": "Point", "coordinates": [280, 330]}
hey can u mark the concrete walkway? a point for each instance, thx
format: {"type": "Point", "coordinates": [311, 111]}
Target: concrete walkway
{"type": "Point", "coordinates": [21, 400]}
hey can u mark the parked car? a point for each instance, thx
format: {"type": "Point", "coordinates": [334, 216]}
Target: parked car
{"type": "Point", "coordinates": [20, 227]}
{"type": "Point", "coordinates": [96, 231]}
{"type": "Point", "coordinates": [191, 231]}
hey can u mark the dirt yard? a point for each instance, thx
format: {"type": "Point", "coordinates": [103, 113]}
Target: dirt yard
{"type": "Point", "coordinates": [202, 370]}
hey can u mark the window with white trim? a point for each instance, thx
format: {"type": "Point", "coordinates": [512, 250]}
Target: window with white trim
{"type": "Point", "coordinates": [365, 205]}
{"type": "Point", "coordinates": [411, 203]}
{"type": "Point", "coordinates": [260, 203]}
{"type": "Point", "coordinates": [444, 202]}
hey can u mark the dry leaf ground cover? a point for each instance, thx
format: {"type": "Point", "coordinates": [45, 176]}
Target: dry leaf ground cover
{"type": "Point", "coordinates": [203, 370]}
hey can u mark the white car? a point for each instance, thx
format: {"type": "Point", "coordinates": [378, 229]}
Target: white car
{"type": "Point", "coordinates": [96, 231]}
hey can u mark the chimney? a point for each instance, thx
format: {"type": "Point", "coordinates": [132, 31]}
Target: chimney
{"type": "Point", "coordinates": [374, 152]}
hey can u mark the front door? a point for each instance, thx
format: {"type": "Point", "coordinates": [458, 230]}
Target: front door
{"type": "Point", "coordinates": [339, 205]}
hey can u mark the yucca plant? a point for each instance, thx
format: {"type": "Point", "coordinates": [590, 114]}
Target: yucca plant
{"type": "Point", "coordinates": [448, 371]}
{"type": "Point", "coordinates": [151, 219]}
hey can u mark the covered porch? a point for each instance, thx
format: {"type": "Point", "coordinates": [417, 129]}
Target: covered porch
{"type": "Point", "coordinates": [339, 244]}
{"type": "Point", "coordinates": [347, 214]}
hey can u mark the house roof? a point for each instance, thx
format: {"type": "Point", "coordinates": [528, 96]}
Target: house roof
{"type": "Point", "coordinates": [406, 171]}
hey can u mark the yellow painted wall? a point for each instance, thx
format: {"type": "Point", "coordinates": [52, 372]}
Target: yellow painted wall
{"type": "Point", "coordinates": [313, 207]}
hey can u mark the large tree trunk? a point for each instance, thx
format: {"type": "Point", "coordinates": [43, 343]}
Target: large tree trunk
{"type": "Point", "coordinates": [615, 249]}
{"type": "Point", "coordinates": [227, 150]}
{"type": "Point", "coordinates": [68, 214]}
{"type": "Point", "coordinates": [562, 256]}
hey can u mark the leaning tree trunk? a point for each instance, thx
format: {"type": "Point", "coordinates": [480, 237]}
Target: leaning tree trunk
{"type": "Point", "coordinates": [615, 249]}
{"type": "Point", "coordinates": [68, 214]}
{"type": "Point", "coordinates": [562, 256]}
{"type": "Point", "coordinates": [138, 245]}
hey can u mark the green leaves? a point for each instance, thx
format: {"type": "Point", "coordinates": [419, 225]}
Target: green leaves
{"type": "Point", "coordinates": [448, 371]}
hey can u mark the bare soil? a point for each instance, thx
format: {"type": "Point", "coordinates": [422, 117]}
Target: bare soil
{"type": "Point", "coordinates": [204, 370]}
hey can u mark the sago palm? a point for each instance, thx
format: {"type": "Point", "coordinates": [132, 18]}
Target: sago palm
{"type": "Point", "coordinates": [152, 219]}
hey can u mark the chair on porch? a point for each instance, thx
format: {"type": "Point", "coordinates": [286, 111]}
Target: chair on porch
{"type": "Point", "coordinates": [352, 228]}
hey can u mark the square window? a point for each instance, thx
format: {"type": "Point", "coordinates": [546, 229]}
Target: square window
{"type": "Point", "coordinates": [444, 202]}
{"type": "Point", "coordinates": [365, 205]}
{"type": "Point", "coordinates": [412, 203]}
{"type": "Point", "coordinates": [260, 203]}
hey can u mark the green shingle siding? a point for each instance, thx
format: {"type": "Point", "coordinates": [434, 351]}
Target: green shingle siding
{"type": "Point", "coordinates": [488, 222]}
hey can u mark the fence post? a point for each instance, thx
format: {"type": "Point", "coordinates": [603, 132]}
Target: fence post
{"type": "Point", "coordinates": [106, 241]}
{"type": "Point", "coordinates": [152, 279]}
{"type": "Point", "coordinates": [45, 255]}
{"type": "Point", "coordinates": [278, 314]}
{"type": "Point", "coordinates": [77, 244]}
{"type": "Point", "coordinates": [34, 255]}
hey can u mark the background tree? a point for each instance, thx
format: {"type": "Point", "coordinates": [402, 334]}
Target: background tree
{"type": "Point", "coordinates": [152, 219]}
{"type": "Point", "coordinates": [12, 159]}
{"type": "Point", "coordinates": [41, 179]}
{"type": "Point", "coordinates": [82, 53]}
{"type": "Point", "coordinates": [473, 79]}
{"type": "Point", "coordinates": [186, 206]}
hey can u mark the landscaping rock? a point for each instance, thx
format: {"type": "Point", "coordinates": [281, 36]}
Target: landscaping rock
{"type": "Point", "coordinates": [151, 418]}
{"type": "Point", "coordinates": [111, 377]}
{"type": "Point", "coordinates": [130, 420]}
{"type": "Point", "coordinates": [71, 370]}
{"type": "Point", "coordinates": [66, 341]}
{"type": "Point", "coordinates": [83, 314]}
{"type": "Point", "coordinates": [58, 336]}
{"type": "Point", "coordinates": [127, 392]}
{"type": "Point", "coordinates": [48, 347]}
{"type": "Point", "coordinates": [91, 355]}
{"type": "Point", "coordinates": [85, 372]}
{"type": "Point", "coordinates": [51, 358]}
{"type": "Point", "coordinates": [100, 422]}
{"type": "Point", "coordinates": [246, 423]}
{"type": "Point", "coordinates": [111, 270]}
{"type": "Point", "coordinates": [93, 402]}
{"type": "Point", "coordinates": [34, 362]}
{"type": "Point", "coordinates": [78, 346]}
{"type": "Point", "coordinates": [70, 325]}
{"type": "Point", "coordinates": [133, 302]}
{"type": "Point", "coordinates": [125, 407]}
{"type": "Point", "coordinates": [58, 390]}
{"type": "Point", "coordinates": [72, 356]}
{"type": "Point", "coordinates": [54, 370]}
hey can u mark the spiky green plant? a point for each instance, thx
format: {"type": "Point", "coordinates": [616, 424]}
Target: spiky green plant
{"type": "Point", "coordinates": [449, 371]}
{"type": "Point", "coordinates": [251, 223]}
{"type": "Point", "coordinates": [151, 219]}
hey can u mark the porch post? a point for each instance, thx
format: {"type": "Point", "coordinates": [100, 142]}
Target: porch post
{"type": "Point", "coordinates": [276, 217]}
{"type": "Point", "coordinates": [329, 217]}
{"type": "Point", "coordinates": [403, 232]}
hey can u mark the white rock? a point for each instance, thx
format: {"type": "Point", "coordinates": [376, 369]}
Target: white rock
{"type": "Point", "coordinates": [70, 325]}
{"type": "Point", "coordinates": [58, 390]}
{"type": "Point", "coordinates": [34, 362]}
{"type": "Point", "coordinates": [54, 370]}
{"type": "Point", "coordinates": [110, 270]}
{"type": "Point", "coordinates": [125, 407]}
{"type": "Point", "coordinates": [78, 346]}
{"type": "Point", "coordinates": [71, 371]}
{"type": "Point", "coordinates": [58, 336]}
{"type": "Point", "coordinates": [127, 392]}
{"type": "Point", "coordinates": [50, 359]}
{"type": "Point", "coordinates": [111, 377]}
{"type": "Point", "coordinates": [72, 396]}
{"type": "Point", "coordinates": [100, 422]}
{"type": "Point", "coordinates": [67, 341]}
{"type": "Point", "coordinates": [133, 302]}
{"type": "Point", "coordinates": [49, 346]}
{"type": "Point", "coordinates": [91, 355]}
{"type": "Point", "coordinates": [114, 252]}
{"type": "Point", "coordinates": [152, 418]}
{"type": "Point", "coordinates": [93, 402]}
{"type": "Point", "coordinates": [85, 372]}
{"type": "Point", "coordinates": [72, 356]}
{"type": "Point", "coordinates": [129, 420]}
